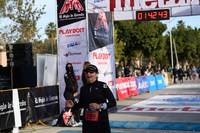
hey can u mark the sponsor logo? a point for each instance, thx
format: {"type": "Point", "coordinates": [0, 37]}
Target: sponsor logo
{"type": "Point", "coordinates": [111, 83]}
{"type": "Point", "coordinates": [143, 85]}
{"type": "Point", "coordinates": [76, 70]}
{"type": "Point", "coordinates": [70, 5]}
{"type": "Point", "coordinates": [101, 27]}
{"type": "Point", "coordinates": [133, 84]}
{"type": "Point", "coordinates": [73, 44]}
{"type": "Point", "coordinates": [71, 54]}
{"type": "Point", "coordinates": [76, 63]}
{"type": "Point", "coordinates": [107, 73]}
{"type": "Point", "coordinates": [99, 7]}
{"type": "Point", "coordinates": [71, 31]}
{"type": "Point", "coordinates": [140, 4]}
{"type": "Point", "coordinates": [77, 77]}
{"type": "Point", "coordinates": [159, 81]}
{"type": "Point", "coordinates": [101, 56]}
{"type": "Point", "coordinates": [159, 109]}
{"type": "Point", "coordinates": [99, 71]}
{"type": "Point", "coordinates": [96, 1]}
{"type": "Point", "coordinates": [152, 83]}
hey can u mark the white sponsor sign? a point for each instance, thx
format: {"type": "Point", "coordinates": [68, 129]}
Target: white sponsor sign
{"type": "Point", "coordinates": [103, 58]}
{"type": "Point", "coordinates": [72, 49]}
{"type": "Point", "coordinates": [167, 104]}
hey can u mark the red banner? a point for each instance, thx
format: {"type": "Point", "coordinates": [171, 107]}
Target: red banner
{"type": "Point", "coordinates": [122, 85]}
{"type": "Point", "coordinates": [133, 86]}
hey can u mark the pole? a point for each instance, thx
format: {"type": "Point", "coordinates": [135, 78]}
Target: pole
{"type": "Point", "coordinates": [171, 46]}
{"type": "Point", "coordinates": [87, 29]}
{"type": "Point", "coordinates": [176, 54]}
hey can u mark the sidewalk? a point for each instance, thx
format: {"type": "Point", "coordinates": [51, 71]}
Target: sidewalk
{"type": "Point", "coordinates": [145, 117]}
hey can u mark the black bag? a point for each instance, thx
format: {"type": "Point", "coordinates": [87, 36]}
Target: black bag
{"type": "Point", "coordinates": [66, 118]}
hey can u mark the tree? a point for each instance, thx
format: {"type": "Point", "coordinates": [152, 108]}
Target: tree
{"type": "Point", "coordinates": [50, 31]}
{"type": "Point", "coordinates": [25, 18]}
{"type": "Point", "coordinates": [143, 38]}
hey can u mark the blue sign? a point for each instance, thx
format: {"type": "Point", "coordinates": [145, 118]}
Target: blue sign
{"type": "Point", "coordinates": [160, 81]}
{"type": "Point", "coordinates": [152, 82]}
{"type": "Point", "coordinates": [142, 84]}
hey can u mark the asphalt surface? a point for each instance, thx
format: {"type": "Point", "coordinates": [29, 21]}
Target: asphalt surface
{"type": "Point", "coordinates": [153, 117]}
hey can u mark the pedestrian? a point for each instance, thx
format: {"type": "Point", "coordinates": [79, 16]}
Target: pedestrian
{"type": "Point", "coordinates": [147, 72]}
{"type": "Point", "coordinates": [117, 69]}
{"type": "Point", "coordinates": [188, 73]}
{"type": "Point", "coordinates": [84, 80]}
{"type": "Point", "coordinates": [184, 72]}
{"type": "Point", "coordinates": [70, 92]}
{"type": "Point", "coordinates": [180, 74]}
{"type": "Point", "coordinates": [175, 74]}
{"type": "Point", "coordinates": [194, 73]}
{"type": "Point", "coordinates": [198, 71]}
{"type": "Point", "coordinates": [122, 72]}
{"type": "Point", "coordinates": [169, 70]}
{"type": "Point", "coordinates": [127, 71]}
{"type": "Point", "coordinates": [95, 97]}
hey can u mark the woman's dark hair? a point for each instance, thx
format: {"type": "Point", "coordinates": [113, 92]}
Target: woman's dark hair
{"type": "Point", "coordinates": [70, 71]}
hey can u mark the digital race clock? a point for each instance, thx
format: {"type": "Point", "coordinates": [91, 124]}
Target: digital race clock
{"type": "Point", "coordinates": [150, 15]}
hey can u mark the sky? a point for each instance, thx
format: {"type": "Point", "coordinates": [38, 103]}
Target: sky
{"type": "Point", "coordinates": [50, 16]}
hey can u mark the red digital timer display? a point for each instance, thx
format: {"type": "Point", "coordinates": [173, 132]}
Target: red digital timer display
{"type": "Point", "coordinates": [150, 15]}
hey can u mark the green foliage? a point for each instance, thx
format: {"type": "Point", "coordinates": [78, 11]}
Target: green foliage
{"type": "Point", "coordinates": [50, 31]}
{"type": "Point", "coordinates": [135, 38]}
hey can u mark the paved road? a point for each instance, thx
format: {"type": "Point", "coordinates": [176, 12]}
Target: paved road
{"type": "Point", "coordinates": [146, 122]}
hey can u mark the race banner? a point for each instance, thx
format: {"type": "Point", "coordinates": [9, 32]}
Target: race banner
{"type": "Point", "coordinates": [152, 82]}
{"type": "Point", "coordinates": [44, 102]}
{"type": "Point", "coordinates": [126, 9]}
{"type": "Point", "coordinates": [6, 110]}
{"type": "Point", "coordinates": [160, 81]}
{"type": "Point", "coordinates": [101, 47]}
{"type": "Point", "coordinates": [123, 90]}
{"type": "Point", "coordinates": [142, 84]}
{"type": "Point", "coordinates": [72, 40]}
{"type": "Point", "coordinates": [133, 86]}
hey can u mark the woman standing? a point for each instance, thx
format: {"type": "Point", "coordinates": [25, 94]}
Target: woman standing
{"type": "Point", "coordinates": [95, 97]}
{"type": "Point", "coordinates": [71, 90]}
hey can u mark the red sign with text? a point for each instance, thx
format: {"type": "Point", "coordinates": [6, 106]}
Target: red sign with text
{"type": "Point", "coordinates": [132, 86]}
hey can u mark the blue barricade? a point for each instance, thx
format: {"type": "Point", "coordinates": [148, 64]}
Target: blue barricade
{"type": "Point", "coordinates": [152, 82]}
{"type": "Point", "coordinates": [160, 81]}
{"type": "Point", "coordinates": [142, 84]}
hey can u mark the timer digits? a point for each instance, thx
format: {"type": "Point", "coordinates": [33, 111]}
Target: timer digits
{"type": "Point", "coordinates": [150, 15]}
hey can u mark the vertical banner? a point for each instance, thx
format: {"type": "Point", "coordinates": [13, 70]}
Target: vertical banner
{"type": "Point", "coordinates": [122, 85]}
{"type": "Point", "coordinates": [160, 81]}
{"type": "Point", "coordinates": [101, 47]}
{"type": "Point", "coordinates": [72, 42]}
{"type": "Point", "coordinates": [142, 84]}
{"type": "Point", "coordinates": [133, 86]}
{"type": "Point", "coordinates": [152, 82]}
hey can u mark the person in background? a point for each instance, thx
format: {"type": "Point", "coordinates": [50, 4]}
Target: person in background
{"type": "Point", "coordinates": [117, 69]}
{"type": "Point", "coordinates": [122, 72]}
{"type": "Point", "coordinates": [84, 80]}
{"type": "Point", "coordinates": [198, 71]}
{"type": "Point", "coordinates": [188, 73]}
{"type": "Point", "coordinates": [180, 74]}
{"type": "Point", "coordinates": [194, 73]}
{"type": "Point", "coordinates": [169, 70]}
{"type": "Point", "coordinates": [95, 98]}
{"type": "Point", "coordinates": [184, 72]}
{"type": "Point", "coordinates": [175, 74]}
{"type": "Point", "coordinates": [147, 72]}
{"type": "Point", "coordinates": [71, 90]}
{"type": "Point", "coordinates": [152, 70]}
{"type": "Point", "coordinates": [127, 71]}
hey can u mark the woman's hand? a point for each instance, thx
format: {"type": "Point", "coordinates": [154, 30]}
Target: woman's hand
{"type": "Point", "coordinates": [94, 106]}
{"type": "Point", "coordinates": [75, 94]}
{"type": "Point", "coordinates": [69, 103]}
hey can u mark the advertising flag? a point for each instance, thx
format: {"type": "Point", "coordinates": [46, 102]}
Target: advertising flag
{"type": "Point", "coordinates": [72, 40]}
